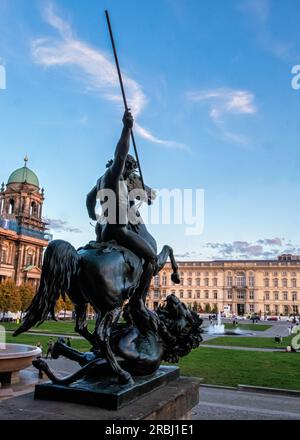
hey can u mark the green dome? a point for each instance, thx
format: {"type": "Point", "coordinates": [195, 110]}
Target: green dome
{"type": "Point", "coordinates": [23, 175]}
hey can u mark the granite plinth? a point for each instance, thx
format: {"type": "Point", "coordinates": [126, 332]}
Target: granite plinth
{"type": "Point", "coordinates": [172, 401]}
{"type": "Point", "coordinates": [106, 392]}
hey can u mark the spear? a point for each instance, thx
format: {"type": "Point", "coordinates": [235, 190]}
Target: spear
{"type": "Point", "coordinates": [123, 92]}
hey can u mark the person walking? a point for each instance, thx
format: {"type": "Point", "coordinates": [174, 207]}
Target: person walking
{"type": "Point", "coordinates": [50, 348]}
{"type": "Point", "coordinates": [69, 342]}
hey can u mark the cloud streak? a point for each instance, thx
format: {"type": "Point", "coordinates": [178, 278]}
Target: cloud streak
{"type": "Point", "coordinates": [93, 67]}
{"type": "Point", "coordinates": [61, 226]}
{"type": "Point", "coordinates": [267, 248]}
{"type": "Point", "coordinates": [226, 102]}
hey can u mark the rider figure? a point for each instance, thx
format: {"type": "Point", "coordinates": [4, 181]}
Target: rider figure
{"type": "Point", "coordinates": [115, 217]}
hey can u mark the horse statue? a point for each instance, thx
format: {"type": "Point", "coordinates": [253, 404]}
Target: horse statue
{"type": "Point", "coordinates": [178, 332]}
{"type": "Point", "coordinates": [103, 275]}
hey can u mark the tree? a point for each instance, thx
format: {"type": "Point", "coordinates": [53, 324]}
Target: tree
{"type": "Point", "coordinates": [26, 292]}
{"type": "Point", "coordinates": [195, 306]}
{"type": "Point", "coordinates": [207, 308]}
{"type": "Point", "coordinates": [62, 305]}
{"type": "Point", "coordinates": [215, 309]}
{"type": "Point", "coordinates": [9, 297]}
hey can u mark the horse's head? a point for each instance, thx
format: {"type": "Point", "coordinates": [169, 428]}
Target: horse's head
{"type": "Point", "coordinates": [180, 328]}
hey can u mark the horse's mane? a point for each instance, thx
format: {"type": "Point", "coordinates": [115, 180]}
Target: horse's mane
{"type": "Point", "coordinates": [180, 328]}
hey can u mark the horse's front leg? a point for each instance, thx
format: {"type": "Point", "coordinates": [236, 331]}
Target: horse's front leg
{"type": "Point", "coordinates": [165, 253]}
{"type": "Point", "coordinates": [103, 333]}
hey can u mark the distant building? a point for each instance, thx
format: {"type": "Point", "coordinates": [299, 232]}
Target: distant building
{"type": "Point", "coordinates": [270, 287]}
{"type": "Point", "coordinates": [23, 235]}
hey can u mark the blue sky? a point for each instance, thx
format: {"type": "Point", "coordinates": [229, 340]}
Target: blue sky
{"type": "Point", "coordinates": [210, 88]}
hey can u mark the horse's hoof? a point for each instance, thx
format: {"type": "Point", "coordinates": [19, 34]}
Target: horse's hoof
{"type": "Point", "coordinates": [175, 278]}
{"type": "Point", "coordinates": [126, 378]}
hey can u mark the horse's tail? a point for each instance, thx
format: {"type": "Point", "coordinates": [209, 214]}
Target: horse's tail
{"type": "Point", "coordinates": [61, 263]}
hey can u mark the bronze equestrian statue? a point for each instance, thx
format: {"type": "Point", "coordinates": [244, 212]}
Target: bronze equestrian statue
{"type": "Point", "coordinates": [117, 267]}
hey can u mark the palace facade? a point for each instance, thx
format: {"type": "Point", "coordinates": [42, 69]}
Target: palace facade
{"type": "Point", "coordinates": [270, 287]}
{"type": "Point", "coordinates": [23, 235]}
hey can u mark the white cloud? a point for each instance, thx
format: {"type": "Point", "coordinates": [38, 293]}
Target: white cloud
{"type": "Point", "coordinates": [225, 102]}
{"type": "Point", "coordinates": [92, 66]}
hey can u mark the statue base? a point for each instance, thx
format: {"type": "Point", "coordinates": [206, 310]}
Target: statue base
{"type": "Point", "coordinates": [106, 392]}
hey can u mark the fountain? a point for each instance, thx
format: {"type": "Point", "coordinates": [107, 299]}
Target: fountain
{"type": "Point", "coordinates": [219, 329]}
{"type": "Point", "coordinates": [13, 359]}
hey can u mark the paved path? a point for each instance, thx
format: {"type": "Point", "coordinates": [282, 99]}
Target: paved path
{"type": "Point", "coordinates": [51, 335]}
{"type": "Point", "coordinates": [223, 404]}
{"type": "Point", "coordinates": [233, 347]}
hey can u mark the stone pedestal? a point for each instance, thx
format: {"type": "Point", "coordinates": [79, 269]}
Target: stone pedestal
{"type": "Point", "coordinates": [172, 401]}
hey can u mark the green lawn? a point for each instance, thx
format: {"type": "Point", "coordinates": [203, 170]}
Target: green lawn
{"type": "Point", "coordinates": [233, 367]}
{"type": "Point", "coordinates": [253, 327]}
{"type": "Point", "coordinates": [56, 327]}
{"type": "Point", "coordinates": [79, 344]}
{"type": "Point", "coordinates": [243, 341]}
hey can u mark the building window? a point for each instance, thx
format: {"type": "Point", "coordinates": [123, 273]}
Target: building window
{"type": "Point", "coordinates": [206, 282]}
{"type": "Point", "coordinates": [198, 294]}
{"type": "Point", "coordinates": [156, 293]}
{"type": "Point", "coordinates": [286, 310]}
{"type": "Point", "coordinates": [206, 274]}
{"type": "Point", "coordinates": [285, 296]}
{"type": "Point", "coordinates": [206, 294]}
{"type": "Point", "coordinates": [197, 281]}
{"type": "Point", "coordinates": [251, 281]}
{"type": "Point", "coordinates": [240, 294]}
{"type": "Point", "coordinates": [267, 308]}
{"type": "Point", "coordinates": [266, 274]}
{"type": "Point", "coordinates": [197, 274]}
{"type": "Point", "coordinates": [294, 282]}
{"type": "Point", "coordinates": [189, 294]}
{"type": "Point", "coordinates": [181, 293]}
{"type": "Point", "coordinates": [164, 279]}
{"type": "Point", "coordinates": [3, 256]}
{"type": "Point", "coordinates": [275, 274]}
{"type": "Point", "coordinates": [251, 294]}
{"type": "Point", "coordinates": [267, 296]}
{"type": "Point", "coordinates": [294, 296]}
{"type": "Point", "coordinates": [156, 281]}
{"type": "Point", "coordinates": [295, 310]}
{"type": "Point", "coordinates": [190, 274]}
{"type": "Point", "coordinates": [251, 308]}
{"type": "Point", "coordinates": [276, 308]}
{"type": "Point", "coordinates": [215, 294]}
{"type": "Point", "coordinates": [284, 282]}
{"type": "Point", "coordinates": [241, 280]}
{"type": "Point", "coordinates": [276, 296]}
{"type": "Point", "coordinates": [266, 282]}
{"type": "Point", "coordinates": [11, 208]}
{"type": "Point", "coordinates": [283, 274]}
{"type": "Point", "coordinates": [215, 282]}
{"type": "Point", "coordinates": [229, 294]}
{"type": "Point", "coordinates": [229, 281]}
{"type": "Point", "coordinates": [29, 259]}
{"type": "Point", "coordinates": [189, 281]}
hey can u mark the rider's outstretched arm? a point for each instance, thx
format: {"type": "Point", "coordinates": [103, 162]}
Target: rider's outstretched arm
{"type": "Point", "coordinates": [122, 146]}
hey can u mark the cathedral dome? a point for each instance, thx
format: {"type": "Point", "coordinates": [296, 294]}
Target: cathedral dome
{"type": "Point", "coordinates": [24, 175]}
